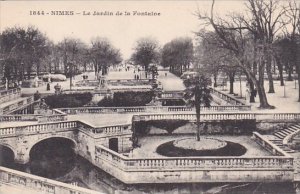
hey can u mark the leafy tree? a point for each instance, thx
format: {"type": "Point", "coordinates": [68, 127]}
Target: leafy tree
{"type": "Point", "coordinates": [198, 93]}
{"type": "Point", "coordinates": [178, 55]}
{"type": "Point", "coordinates": [145, 52]}
{"type": "Point", "coordinates": [23, 50]}
{"type": "Point", "coordinates": [71, 51]}
{"type": "Point", "coordinates": [103, 54]}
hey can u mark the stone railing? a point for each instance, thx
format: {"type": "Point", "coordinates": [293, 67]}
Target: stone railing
{"type": "Point", "coordinates": [128, 82]}
{"type": "Point", "coordinates": [290, 137]}
{"type": "Point", "coordinates": [107, 130]}
{"type": "Point", "coordinates": [205, 116]}
{"type": "Point", "coordinates": [278, 116]}
{"type": "Point", "coordinates": [268, 145]}
{"type": "Point", "coordinates": [98, 110]}
{"type": "Point", "coordinates": [17, 117]}
{"type": "Point", "coordinates": [19, 104]}
{"type": "Point", "coordinates": [37, 128]}
{"type": "Point", "coordinates": [40, 184]}
{"type": "Point", "coordinates": [52, 118]}
{"type": "Point", "coordinates": [191, 163]}
{"type": "Point", "coordinates": [56, 115]}
{"type": "Point", "coordinates": [172, 94]}
{"type": "Point", "coordinates": [226, 97]}
{"type": "Point", "coordinates": [192, 117]}
{"type": "Point", "coordinates": [8, 95]}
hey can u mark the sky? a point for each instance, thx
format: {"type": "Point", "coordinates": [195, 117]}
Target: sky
{"type": "Point", "coordinates": [176, 19]}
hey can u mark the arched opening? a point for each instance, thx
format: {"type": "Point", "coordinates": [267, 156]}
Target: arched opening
{"type": "Point", "coordinates": [7, 156]}
{"type": "Point", "coordinates": [113, 144]}
{"type": "Point", "coordinates": [52, 157]}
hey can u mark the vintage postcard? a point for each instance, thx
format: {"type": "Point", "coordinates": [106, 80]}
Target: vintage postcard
{"type": "Point", "coordinates": [150, 96]}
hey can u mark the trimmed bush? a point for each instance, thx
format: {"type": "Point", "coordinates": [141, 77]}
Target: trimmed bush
{"type": "Point", "coordinates": [68, 100]}
{"type": "Point", "coordinates": [231, 149]}
{"type": "Point", "coordinates": [122, 99]}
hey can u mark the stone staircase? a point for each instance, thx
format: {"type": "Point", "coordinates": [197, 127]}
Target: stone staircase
{"type": "Point", "coordinates": [280, 135]}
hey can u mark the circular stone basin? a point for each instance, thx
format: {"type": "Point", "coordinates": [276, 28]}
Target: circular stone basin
{"type": "Point", "coordinates": [203, 144]}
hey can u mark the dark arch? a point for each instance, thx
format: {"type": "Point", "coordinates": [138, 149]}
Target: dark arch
{"type": "Point", "coordinates": [52, 157]}
{"type": "Point", "coordinates": [7, 155]}
{"type": "Point", "coordinates": [41, 141]}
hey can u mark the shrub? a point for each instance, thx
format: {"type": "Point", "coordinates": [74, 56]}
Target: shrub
{"type": "Point", "coordinates": [68, 100]}
{"type": "Point", "coordinates": [106, 102]}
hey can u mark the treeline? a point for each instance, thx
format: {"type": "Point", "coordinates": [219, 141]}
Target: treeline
{"type": "Point", "coordinates": [27, 51]}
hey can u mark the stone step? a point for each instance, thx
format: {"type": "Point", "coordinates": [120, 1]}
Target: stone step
{"type": "Point", "coordinates": [290, 130]}
{"type": "Point", "coordinates": [297, 125]}
{"type": "Point", "coordinates": [294, 127]}
{"type": "Point", "coordinates": [276, 140]}
{"type": "Point", "coordinates": [279, 136]}
{"type": "Point", "coordinates": [285, 132]}
{"type": "Point", "coordinates": [290, 151]}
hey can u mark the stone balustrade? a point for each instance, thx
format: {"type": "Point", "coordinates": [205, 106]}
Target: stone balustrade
{"type": "Point", "coordinates": [38, 128]}
{"type": "Point", "coordinates": [192, 117]}
{"type": "Point", "coordinates": [52, 118]}
{"type": "Point", "coordinates": [40, 184]}
{"type": "Point", "coordinates": [278, 116]}
{"type": "Point", "coordinates": [268, 145]}
{"type": "Point", "coordinates": [192, 163]}
{"type": "Point", "coordinates": [56, 116]}
{"type": "Point", "coordinates": [172, 94]}
{"type": "Point", "coordinates": [226, 97]}
{"type": "Point", "coordinates": [107, 130]}
{"type": "Point", "coordinates": [19, 104]}
{"type": "Point", "coordinates": [8, 95]}
{"type": "Point", "coordinates": [13, 118]}
{"type": "Point", "coordinates": [97, 110]}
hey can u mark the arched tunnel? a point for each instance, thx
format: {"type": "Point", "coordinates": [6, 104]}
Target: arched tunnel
{"type": "Point", "coordinates": [52, 157]}
{"type": "Point", "coordinates": [7, 156]}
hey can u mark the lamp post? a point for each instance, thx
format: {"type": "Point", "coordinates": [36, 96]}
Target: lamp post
{"type": "Point", "coordinates": [284, 92]}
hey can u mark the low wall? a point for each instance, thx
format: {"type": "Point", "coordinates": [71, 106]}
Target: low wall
{"type": "Point", "coordinates": [8, 95]}
{"type": "Point", "coordinates": [194, 169]}
{"type": "Point", "coordinates": [158, 109]}
{"type": "Point", "coordinates": [227, 97]}
{"type": "Point", "coordinates": [41, 184]}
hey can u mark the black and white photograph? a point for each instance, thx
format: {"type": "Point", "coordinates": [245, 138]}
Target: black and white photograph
{"type": "Point", "coordinates": [150, 97]}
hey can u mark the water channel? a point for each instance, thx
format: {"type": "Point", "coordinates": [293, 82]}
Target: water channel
{"type": "Point", "coordinates": [54, 158]}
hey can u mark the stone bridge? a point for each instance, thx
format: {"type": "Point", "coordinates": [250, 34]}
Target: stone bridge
{"type": "Point", "coordinates": [84, 136]}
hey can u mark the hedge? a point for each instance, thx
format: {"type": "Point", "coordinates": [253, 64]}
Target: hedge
{"type": "Point", "coordinates": [68, 100]}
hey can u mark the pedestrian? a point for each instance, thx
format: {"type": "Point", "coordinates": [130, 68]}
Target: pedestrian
{"type": "Point", "coordinates": [137, 77]}
{"type": "Point", "coordinates": [48, 86]}
{"type": "Point", "coordinates": [166, 74]}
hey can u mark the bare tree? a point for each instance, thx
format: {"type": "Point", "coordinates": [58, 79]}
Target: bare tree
{"type": "Point", "coordinates": [236, 34]}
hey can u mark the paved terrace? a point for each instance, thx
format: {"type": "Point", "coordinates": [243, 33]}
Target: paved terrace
{"type": "Point", "coordinates": [150, 143]}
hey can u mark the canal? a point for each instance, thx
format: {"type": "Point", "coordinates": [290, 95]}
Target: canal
{"type": "Point", "coordinates": [55, 158]}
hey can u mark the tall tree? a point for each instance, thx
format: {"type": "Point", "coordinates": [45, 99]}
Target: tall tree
{"type": "Point", "coordinates": [178, 54]}
{"type": "Point", "coordinates": [103, 54]}
{"type": "Point", "coordinates": [234, 36]}
{"type": "Point", "coordinates": [145, 52]}
{"type": "Point", "coordinates": [23, 51]}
